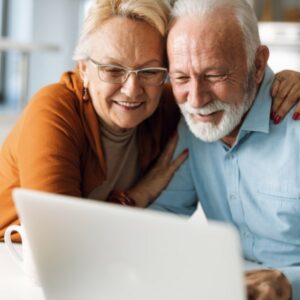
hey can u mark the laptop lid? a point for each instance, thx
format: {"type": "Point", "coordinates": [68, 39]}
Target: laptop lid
{"type": "Point", "coordinates": [85, 249]}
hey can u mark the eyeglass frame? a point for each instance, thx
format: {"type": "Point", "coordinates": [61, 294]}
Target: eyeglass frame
{"type": "Point", "coordinates": [129, 72]}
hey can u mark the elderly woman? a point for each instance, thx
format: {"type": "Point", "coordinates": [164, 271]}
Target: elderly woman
{"type": "Point", "coordinates": [101, 128]}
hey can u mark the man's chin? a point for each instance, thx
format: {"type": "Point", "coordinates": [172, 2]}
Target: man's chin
{"type": "Point", "coordinates": [209, 132]}
{"type": "Point", "coordinates": [208, 138]}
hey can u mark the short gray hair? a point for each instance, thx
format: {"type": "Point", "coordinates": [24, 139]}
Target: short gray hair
{"type": "Point", "coordinates": [154, 12]}
{"type": "Point", "coordinates": [244, 13]}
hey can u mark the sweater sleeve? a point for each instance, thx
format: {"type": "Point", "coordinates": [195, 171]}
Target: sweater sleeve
{"type": "Point", "coordinates": [43, 152]}
{"type": "Point", "coordinates": [49, 146]}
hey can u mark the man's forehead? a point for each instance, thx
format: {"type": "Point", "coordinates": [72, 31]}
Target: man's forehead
{"type": "Point", "coordinates": [192, 35]}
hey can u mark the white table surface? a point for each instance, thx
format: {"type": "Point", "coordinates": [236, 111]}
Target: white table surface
{"type": "Point", "coordinates": [15, 286]}
{"type": "Point", "coordinates": [13, 283]}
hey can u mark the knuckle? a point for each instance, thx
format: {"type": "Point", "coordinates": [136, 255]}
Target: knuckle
{"type": "Point", "coordinates": [281, 95]}
{"type": "Point", "coordinates": [290, 100]}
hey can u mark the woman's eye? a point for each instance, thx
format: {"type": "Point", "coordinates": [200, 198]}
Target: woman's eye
{"type": "Point", "coordinates": [114, 71]}
{"type": "Point", "coordinates": [180, 79]}
{"type": "Point", "coordinates": [150, 72]}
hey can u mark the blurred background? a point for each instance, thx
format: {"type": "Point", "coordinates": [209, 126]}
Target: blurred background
{"type": "Point", "coordinates": [37, 39]}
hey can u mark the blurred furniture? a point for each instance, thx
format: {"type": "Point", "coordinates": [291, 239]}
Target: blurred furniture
{"type": "Point", "coordinates": [7, 121]}
{"type": "Point", "coordinates": [277, 10]}
{"type": "Point", "coordinates": [273, 8]}
{"type": "Point", "coordinates": [25, 50]}
{"type": "Point", "coordinates": [283, 40]}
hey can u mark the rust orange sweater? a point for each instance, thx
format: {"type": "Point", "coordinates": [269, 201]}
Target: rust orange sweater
{"type": "Point", "coordinates": [56, 144]}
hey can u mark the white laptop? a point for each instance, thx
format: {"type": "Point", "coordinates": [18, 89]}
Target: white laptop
{"type": "Point", "coordinates": [85, 249]}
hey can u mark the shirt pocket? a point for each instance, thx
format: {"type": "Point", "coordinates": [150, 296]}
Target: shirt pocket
{"type": "Point", "coordinates": [278, 205]}
{"type": "Point", "coordinates": [279, 208]}
{"type": "Point", "coordinates": [280, 191]}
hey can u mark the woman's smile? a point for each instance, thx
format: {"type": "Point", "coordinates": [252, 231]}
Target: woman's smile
{"type": "Point", "coordinates": [126, 105]}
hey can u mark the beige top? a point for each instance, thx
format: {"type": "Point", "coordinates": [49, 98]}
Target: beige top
{"type": "Point", "coordinates": [121, 154]}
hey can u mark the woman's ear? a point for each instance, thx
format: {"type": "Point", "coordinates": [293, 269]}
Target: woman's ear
{"type": "Point", "coordinates": [83, 72]}
{"type": "Point", "coordinates": [261, 60]}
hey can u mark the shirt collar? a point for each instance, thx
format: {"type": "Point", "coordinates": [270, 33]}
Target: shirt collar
{"type": "Point", "coordinates": [258, 118]}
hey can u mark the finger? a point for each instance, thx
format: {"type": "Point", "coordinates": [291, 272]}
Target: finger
{"type": "Point", "coordinates": [274, 93]}
{"type": "Point", "coordinates": [296, 115]}
{"type": "Point", "coordinates": [169, 150]}
{"type": "Point", "coordinates": [291, 99]}
{"type": "Point", "coordinates": [266, 292]}
{"type": "Point", "coordinates": [283, 104]}
{"type": "Point", "coordinates": [275, 86]}
{"type": "Point", "coordinates": [176, 163]}
{"type": "Point", "coordinates": [251, 292]}
{"type": "Point", "coordinates": [284, 88]}
{"type": "Point", "coordinates": [261, 291]}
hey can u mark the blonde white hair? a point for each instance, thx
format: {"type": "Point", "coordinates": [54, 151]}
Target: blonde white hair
{"type": "Point", "coordinates": [154, 12]}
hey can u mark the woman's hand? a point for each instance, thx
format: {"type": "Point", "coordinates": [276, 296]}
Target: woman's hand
{"type": "Point", "coordinates": [151, 185]}
{"type": "Point", "coordinates": [286, 93]}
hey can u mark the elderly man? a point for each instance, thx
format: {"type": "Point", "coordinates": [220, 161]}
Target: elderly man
{"type": "Point", "coordinates": [242, 167]}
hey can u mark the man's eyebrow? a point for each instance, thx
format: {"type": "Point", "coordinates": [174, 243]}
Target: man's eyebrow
{"type": "Point", "coordinates": [177, 71]}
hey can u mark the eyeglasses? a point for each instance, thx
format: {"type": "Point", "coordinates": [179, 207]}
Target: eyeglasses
{"type": "Point", "coordinates": [154, 76]}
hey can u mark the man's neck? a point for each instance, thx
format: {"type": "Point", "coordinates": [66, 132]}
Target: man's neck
{"type": "Point", "coordinates": [230, 139]}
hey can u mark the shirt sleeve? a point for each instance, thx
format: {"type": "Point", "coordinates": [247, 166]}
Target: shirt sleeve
{"type": "Point", "coordinates": [293, 275]}
{"type": "Point", "coordinates": [180, 196]}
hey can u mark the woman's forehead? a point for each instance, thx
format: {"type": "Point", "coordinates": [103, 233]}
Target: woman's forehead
{"type": "Point", "coordinates": [124, 39]}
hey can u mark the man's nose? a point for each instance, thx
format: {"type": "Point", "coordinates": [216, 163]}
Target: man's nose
{"type": "Point", "coordinates": [132, 87]}
{"type": "Point", "coordinates": [198, 95]}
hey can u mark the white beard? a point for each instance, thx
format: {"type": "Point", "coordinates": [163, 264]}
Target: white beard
{"type": "Point", "coordinates": [231, 118]}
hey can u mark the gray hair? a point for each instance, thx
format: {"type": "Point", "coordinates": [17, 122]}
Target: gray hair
{"type": "Point", "coordinates": [243, 12]}
{"type": "Point", "coordinates": [154, 12]}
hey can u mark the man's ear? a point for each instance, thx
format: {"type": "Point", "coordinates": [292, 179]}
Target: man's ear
{"type": "Point", "coordinates": [82, 71]}
{"type": "Point", "coordinates": [261, 60]}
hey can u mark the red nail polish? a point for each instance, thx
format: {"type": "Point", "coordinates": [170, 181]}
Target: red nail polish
{"type": "Point", "coordinates": [296, 116]}
{"type": "Point", "coordinates": [185, 151]}
{"type": "Point", "coordinates": [272, 115]}
{"type": "Point", "coordinates": [277, 120]}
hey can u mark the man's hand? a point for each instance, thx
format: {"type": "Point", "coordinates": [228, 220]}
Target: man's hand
{"type": "Point", "coordinates": [151, 185]}
{"type": "Point", "coordinates": [267, 285]}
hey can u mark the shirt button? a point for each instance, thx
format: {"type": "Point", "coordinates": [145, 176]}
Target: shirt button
{"type": "Point", "coordinates": [246, 234]}
{"type": "Point", "coordinates": [232, 197]}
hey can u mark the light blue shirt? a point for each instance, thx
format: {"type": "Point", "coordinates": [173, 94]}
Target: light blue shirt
{"type": "Point", "coordinates": [254, 185]}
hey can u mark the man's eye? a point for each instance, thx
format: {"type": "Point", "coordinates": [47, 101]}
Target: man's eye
{"type": "Point", "coordinates": [215, 77]}
{"type": "Point", "coordinates": [180, 79]}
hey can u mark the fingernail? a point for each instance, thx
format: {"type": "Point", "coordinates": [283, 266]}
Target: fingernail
{"type": "Point", "coordinates": [277, 120]}
{"type": "Point", "coordinates": [185, 151]}
{"type": "Point", "coordinates": [272, 115]}
{"type": "Point", "coordinates": [296, 116]}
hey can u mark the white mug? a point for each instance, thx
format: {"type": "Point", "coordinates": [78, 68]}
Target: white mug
{"type": "Point", "coordinates": [25, 261]}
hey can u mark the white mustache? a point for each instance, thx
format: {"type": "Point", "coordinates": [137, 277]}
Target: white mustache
{"type": "Point", "coordinates": [209, 108]}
